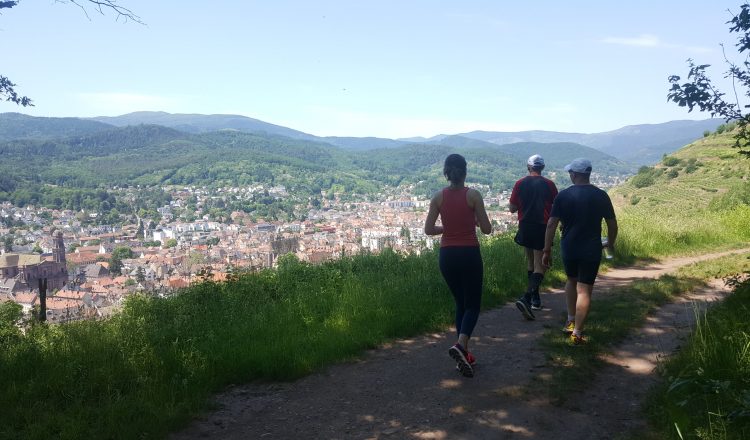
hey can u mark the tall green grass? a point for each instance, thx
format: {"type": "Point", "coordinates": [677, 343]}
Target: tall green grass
{"type": "Point", "coordinates": [706, 391]}
{"type": "Point", "coordinates": [669, 233]}
{"type": "Point", "coordinates": [145, 371]}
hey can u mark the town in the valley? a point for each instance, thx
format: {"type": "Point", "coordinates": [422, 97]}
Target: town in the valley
{"type": "Point", "coordinates": [74, 257]}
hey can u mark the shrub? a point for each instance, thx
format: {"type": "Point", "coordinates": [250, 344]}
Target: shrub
{"type": "Point", "coordinates": [670, 161]}
{"type": "Point", "coordinates": [10, 314]}
{"type": "Point", "coordinates": [644, 178]}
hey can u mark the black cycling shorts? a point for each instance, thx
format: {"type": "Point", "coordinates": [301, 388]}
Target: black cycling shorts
{"type": "Point", "coordinates": [584, 270]}
{"type": "Point", "coordinates": [531, 235]}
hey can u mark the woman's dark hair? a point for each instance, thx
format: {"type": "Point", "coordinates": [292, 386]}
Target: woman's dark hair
{"type": "Point", "coordinates": [455, 168]}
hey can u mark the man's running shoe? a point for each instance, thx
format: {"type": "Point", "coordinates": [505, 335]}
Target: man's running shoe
{"type": "Point", "coordinates": [569, 327]}
{"type": "Point", "coordinates": [459, 355]}
{"type": "Point", "coordinates": [576, 339]}
{"type": "Point", "coordinates": [525, 309]}
{"type": "Point", "coordinates": [536, 307]}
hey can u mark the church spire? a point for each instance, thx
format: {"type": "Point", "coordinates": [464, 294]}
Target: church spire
{"type": "Point", "coordinates": [58, 251]}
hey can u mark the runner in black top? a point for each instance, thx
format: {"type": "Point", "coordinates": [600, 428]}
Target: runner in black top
{"type": "Point", "coordinates": [581, 209]}
{"type": "Point", "coordinates": [532, 198]}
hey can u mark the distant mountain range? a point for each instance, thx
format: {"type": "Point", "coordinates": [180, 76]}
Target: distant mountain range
{"type": "Point", "coordinates": [67, 161]}
{"type": "Point", "coordinates": [637, 144]}
{"type": "Point", "coordinates": [197, 123]}
{"type": "Point", "coordinates": [18, 126]}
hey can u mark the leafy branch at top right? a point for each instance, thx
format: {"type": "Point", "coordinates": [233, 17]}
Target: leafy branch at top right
{"type": "Point", "coordinates": [700, 92]}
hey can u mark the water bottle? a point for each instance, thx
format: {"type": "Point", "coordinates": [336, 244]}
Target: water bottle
{"type": "Point", "coordinates": [607, 252]}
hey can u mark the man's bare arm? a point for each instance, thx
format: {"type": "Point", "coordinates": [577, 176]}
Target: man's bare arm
{"type": "Point", "coordinates": [549, 237]}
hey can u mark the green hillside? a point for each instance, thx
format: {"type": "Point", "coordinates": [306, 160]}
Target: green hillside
{"type": "Point", "coordinates": [20, 126]}
{"type": "Point", "coordinates": [695, 198]}
{"type": "Point", "coordinates": [197, 123]}
{"type": "Point", "coordinates": [50, 172]}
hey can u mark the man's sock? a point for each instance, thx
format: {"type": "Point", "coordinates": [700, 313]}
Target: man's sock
{"type": "Point", "coordinates": [526, 297]}
{"type": "Point", "coordinates": [572, 318]}
{"type": "Point", "coordinates": [536, 281]}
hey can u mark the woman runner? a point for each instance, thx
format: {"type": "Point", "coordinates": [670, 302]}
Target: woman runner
{"type": "Point", "coordinates": [460, 209]}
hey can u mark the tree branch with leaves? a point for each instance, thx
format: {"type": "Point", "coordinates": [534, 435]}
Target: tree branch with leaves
{"type": "Point", "coordinates": [700, 92]}
{"type": "Point", "coordinates": [7, 88]}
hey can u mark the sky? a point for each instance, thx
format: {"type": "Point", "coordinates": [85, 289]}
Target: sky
{"type": "Point", "coordinates": [385, 68]}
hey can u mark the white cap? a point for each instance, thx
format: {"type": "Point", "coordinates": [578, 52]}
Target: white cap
{"type": "Point", "coordinates": [580, 165]}
{"type": "Point", "coordinates": [535, 161]}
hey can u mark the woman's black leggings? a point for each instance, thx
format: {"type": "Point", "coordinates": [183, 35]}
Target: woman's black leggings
{"type": "Point", "coordinates": [462, 269]}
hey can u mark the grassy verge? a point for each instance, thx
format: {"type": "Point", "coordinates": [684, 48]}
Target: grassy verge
{"type": "Point", "coordinates": [705, 390]}
{"type": "Point", "coordinates": [613, 317]}
{"type": "Point", "coordinates": [680, 232]}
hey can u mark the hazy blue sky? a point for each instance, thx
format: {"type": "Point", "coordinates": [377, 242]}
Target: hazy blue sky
{"type": "Point", "coordinates": [387, 68]}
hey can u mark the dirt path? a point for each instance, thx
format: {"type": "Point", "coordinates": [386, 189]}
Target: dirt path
{"type": "Point", "coordinates": [410, 390]}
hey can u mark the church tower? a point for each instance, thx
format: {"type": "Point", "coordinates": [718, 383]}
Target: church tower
{"type": "Point", "coordinates": [58, 251]}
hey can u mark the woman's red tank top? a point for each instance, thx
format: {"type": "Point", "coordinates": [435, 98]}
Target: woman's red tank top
{"type": "Point", "coordinates": [459, 221]}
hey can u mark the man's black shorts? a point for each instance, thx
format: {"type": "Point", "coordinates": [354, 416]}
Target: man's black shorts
{"type": "Point", "coordinates": [584, 270]}
{"type": "Point", "coordinates": [531, 235]}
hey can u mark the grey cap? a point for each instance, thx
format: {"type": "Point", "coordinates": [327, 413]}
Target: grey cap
{"type": "Point", "coordinates": [580, 165]}
{"type": "Point", "coordinates": [535, 161]}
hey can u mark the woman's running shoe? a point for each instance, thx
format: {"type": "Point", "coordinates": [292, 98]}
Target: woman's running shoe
{"type": "Point", "coordinates": [469, 357]}
{"type": "Point", "coordinates": [459, 355]}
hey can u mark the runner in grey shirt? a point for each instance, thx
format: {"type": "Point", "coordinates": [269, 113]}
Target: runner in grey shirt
{"type": "Point", "coordinates": [580, 208]}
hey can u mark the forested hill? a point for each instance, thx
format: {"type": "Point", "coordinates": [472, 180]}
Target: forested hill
{"type": "Point", "coordinates": [639, 144]}
{"type": "Point", "coordinates": [150, 155]}
{"type": "Point", "coordinates": [556, 154]}
{"type": "Point", "coordinates": [197, 123]}
{"type": "Point", "coordinates": [20, 126]}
